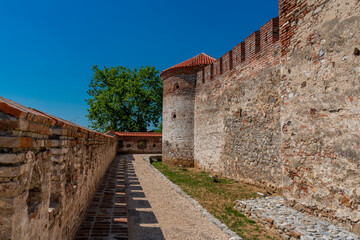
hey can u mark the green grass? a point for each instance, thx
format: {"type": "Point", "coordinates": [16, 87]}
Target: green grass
{"type": "Point", "coordinates": [218, 197]}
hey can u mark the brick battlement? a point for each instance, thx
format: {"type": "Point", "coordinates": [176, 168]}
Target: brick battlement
{"type": "Point", "coordinates": [257, 44]}
{"type": "Point", "coordinates": [280, 110]}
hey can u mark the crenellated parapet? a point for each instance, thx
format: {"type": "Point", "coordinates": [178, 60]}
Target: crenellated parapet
{"type": "Point", "coordinates": [281, 110]}
{"type": "Point", "coordinates": [291, 11]}
{"type": "Point", "coordinates": [253, 49]}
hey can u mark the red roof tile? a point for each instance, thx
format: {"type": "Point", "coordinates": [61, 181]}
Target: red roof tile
{"type": "Point", "coordinates": [189, 66]}
{"type": "Point", "coordinates": [136, 134]}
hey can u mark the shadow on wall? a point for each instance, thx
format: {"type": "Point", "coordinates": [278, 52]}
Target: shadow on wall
{"type": "Point", "coordinates": [141, 218]}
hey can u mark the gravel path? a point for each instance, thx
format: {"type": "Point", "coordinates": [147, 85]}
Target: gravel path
{"type": "Point", "coordinates": [156, 211]}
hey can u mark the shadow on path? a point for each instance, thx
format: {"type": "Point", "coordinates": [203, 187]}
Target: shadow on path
{"type": "Point", "coordinates": [106, 216]}
{"type": "Point", "coordinates": [119, 209]}
{"type": "Point", "coordinates": [142, 221]}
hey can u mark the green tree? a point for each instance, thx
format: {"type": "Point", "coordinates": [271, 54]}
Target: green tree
{"type": "Point", "coordinates": [159, 129]}
{"type": "Point", "coordinates": [122, 99]}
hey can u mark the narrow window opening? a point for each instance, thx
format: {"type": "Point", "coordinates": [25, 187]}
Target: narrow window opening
{"type": "Point", "coordinates": [35, 194]}
{"type": "Point", "coordinates": [68, 176]}
{"type": "Point", "coordinates": [54, 200]}
{"type": "Point", "coordinates": [34, 199]}
{"type": "Point", "coordinates": [121, 144]}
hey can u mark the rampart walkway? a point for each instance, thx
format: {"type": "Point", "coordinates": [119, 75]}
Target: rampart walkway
{"type": "Point", "coordinates": [106, 217]}
{"type": "Point", "coordinates": [155, 210]}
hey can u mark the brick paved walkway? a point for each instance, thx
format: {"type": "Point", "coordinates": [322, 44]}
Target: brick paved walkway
{"type": "Point", "coordinates": [106, 217]}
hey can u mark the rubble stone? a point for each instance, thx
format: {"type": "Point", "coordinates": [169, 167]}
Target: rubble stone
{"type": "Point", "coordinates": [289, 222]}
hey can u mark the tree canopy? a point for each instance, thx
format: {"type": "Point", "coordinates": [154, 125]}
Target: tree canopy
{"type": "Point", "coordinates": [122, 99]}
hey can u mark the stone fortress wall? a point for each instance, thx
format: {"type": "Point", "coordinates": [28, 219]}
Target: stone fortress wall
{"type": "Point", "coordinates": [280, 110]}
{"type": "Point", "coordinates": [178, 110]}
{"type": "Point", "coordinates": [320, 120]}
{"type": "Point", "coordinates": [178, 119]}
{"type": "Point", "coordinates": [237, 110]}
{"type": "Point", "coordinates": [49, 169]}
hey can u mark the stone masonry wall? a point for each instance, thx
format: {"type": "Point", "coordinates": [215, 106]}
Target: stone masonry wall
{"type": "Point", "coordinates": [49, 171]}
{"type": "Point", "coordinates": [139, 145]}
{"type": "Point", "coordinates": [237, 113]}
{"type": "Point", "coordinates": [281, 109]}
{"type": "Point", "coordinates": [320, 117]}
{"type": "Point", "coordinates": [178, 120]}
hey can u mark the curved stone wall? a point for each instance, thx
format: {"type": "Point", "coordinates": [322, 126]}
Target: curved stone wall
{"type": "Point", "coordinates": [178, 120]}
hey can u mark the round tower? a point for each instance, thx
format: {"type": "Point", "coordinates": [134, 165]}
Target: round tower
{"type": "Point", "coordinates": [178, 110]}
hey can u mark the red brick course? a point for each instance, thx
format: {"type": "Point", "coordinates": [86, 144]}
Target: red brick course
{"type": "Point", "coordinates": [136, 134]}
{"type": "Point", "coordinates": [290, 12]}
{"type": "Point", "coordinates": [255, 50]}
{"type": "Point", "coordinates": [238, 54]}
{"type": "Point", "coordinates": [252, 45]}
{"type": "Point", "coordinates": [227, 62]}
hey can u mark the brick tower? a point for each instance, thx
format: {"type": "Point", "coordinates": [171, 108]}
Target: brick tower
{"type": "Point", "coordinates": [178, 110]}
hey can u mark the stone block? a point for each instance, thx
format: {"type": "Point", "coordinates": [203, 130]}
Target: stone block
{"type": "Point", "coordinates": [15, 142]}
{"type": "Point", "coordinates": [11, 189]}
{"type": "Point", "coordinates": [356, 228]}
{"type": "Point", "coordinates": [13, 204]}
{"type": "Point", "coordinates": [6, 225]}
{"type": "Point", "coordinates": [55, 143]}
{"type": "Point", "coordinates": [12, 158]}
{"type": "Point", "coordinates": [14, 171]}
{"type": "Point", "coordinates": [39, 128]}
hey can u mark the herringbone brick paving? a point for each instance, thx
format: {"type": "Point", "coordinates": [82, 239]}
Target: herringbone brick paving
{"type": "Point", "coordinates": [106, 216]}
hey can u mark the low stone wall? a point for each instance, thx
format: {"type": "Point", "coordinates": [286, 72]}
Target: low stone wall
{"type": "Point", "coordinates": [49, 171]}
{"type": "Point", "coordinates": [139, 145]}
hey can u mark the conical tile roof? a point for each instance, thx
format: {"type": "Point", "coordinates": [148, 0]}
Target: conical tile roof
{"type": "Point", "coordinates": [190, 66]}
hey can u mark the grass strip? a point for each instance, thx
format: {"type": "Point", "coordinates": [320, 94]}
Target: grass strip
{"type": "Point", "coordinates": [217, 195]}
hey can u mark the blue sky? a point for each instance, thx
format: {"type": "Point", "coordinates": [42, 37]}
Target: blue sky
{"type": "Point", "coordinates": [47, 48]}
